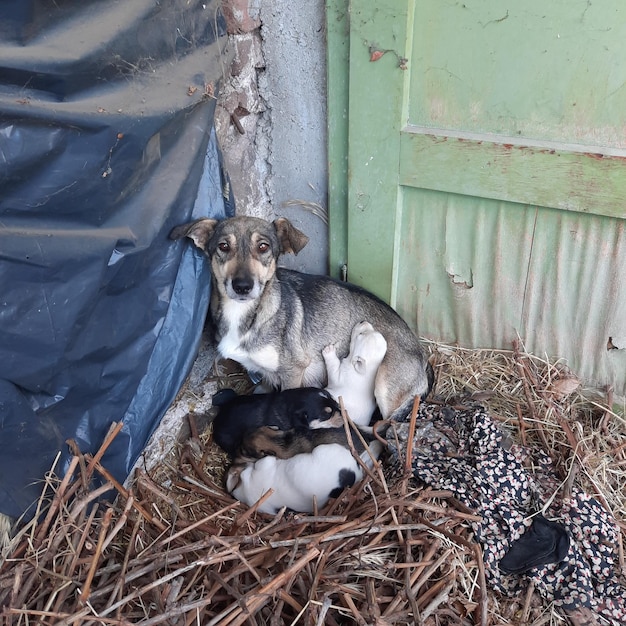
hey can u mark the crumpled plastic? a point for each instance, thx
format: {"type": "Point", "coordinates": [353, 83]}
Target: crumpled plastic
{"type": "Point", "coordinates": [106, 143]}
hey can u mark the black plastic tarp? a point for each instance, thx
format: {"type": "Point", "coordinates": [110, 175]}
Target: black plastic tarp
{"type": "Point", "coordinates": [106, 143]}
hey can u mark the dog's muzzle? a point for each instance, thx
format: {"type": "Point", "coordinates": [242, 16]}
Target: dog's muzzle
{"type": "Point", "coordinates": [242, 286]}
{"type": "Point", "coordinates": [242, 289]}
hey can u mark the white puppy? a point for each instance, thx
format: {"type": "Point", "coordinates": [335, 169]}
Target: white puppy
{"type": "Point", "coordinates": [353, 377]}
{"type": "Point", "coordinates": [321, 474]}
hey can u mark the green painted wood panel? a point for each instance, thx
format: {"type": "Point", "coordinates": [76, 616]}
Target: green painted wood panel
{"type": "Point", "coordinates": [534, 69]}
{"type": "Point", "coordinates": [377, 99]}
{"type": "Point", "coordinates": [545, 175]}
{"type": "Point", "coordinates": [465, 255]}
{"type": "Point", "coordinates": [487, 172]}
{"type": "Point", "coordinates": [338, 47]}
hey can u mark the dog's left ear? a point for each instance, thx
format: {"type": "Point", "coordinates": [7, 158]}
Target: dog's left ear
{"type": "Point", "coordinates": [233, 477]}
{"type": "Point", "coordinates": [291, 239]}
{"type": "Point", "coordinates": [199, 231]}
{"type": "Point", "coordinates": [359, 364]}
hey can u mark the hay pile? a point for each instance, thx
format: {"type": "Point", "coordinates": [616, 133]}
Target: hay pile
{"type": "Point", "coordinates": [175, 549]}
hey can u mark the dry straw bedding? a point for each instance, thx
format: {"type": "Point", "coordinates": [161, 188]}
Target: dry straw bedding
{"type": "Point", "coordinates": [175, 549]}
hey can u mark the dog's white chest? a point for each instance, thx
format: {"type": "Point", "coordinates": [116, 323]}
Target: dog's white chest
{"type": "Point", "coordinates": [233, 344]}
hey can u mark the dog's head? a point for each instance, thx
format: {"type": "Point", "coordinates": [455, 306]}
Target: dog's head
{"type": "Point", "coordinates": [243, 250]}
{"type": "Point", "coordinates": [367, 348]}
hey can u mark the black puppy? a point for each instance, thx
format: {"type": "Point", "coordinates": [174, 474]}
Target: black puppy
{"type": "Point", "coordinates": [291, 409]}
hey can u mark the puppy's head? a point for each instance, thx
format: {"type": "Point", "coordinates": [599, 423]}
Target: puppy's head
{"type": "Point", "coordinates": [247, 482]}
{"type": "Point", "coordinates": [314, 408]}
{"type": "Point", "coordinates": [367, 348]}
{"type": "Point", "coordinates": [243, 250]}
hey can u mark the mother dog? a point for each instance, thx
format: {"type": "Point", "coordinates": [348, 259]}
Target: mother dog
{"type": "Point", "coordinates": [276, 321]}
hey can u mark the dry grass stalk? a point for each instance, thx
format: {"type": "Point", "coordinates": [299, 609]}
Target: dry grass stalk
{"type": "Point", "coordinates": [230, 567]}
{"type": "Point", "coordinates": [175, 549]}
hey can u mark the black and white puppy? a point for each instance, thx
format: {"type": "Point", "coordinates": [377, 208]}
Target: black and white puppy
{"type": "Point", "coordinates": [289, 410]}
{"type": "Point", "coordinates": [299, 483]}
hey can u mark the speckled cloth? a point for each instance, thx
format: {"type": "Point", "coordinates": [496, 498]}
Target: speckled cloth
{"type": "Point", "coordinates": [463, 450]}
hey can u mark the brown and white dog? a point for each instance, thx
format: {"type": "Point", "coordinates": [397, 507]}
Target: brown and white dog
{"type": "Point", "coordinates": [276, 321]}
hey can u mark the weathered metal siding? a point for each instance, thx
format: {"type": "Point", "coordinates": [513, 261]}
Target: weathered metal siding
{"type": "Point", "coordinates": [484, 272]}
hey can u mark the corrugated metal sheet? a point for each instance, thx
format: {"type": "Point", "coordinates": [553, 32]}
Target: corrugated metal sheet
{"type": "Point", "coordinates": [480, 272]}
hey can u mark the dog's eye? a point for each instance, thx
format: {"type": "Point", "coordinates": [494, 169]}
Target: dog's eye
{"type": "Point", "coordinates": [224, 246]}
{"type": "Point", "coordinates": [263, 247]}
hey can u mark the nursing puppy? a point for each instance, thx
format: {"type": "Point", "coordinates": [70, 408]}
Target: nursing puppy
{"type": "Point", "coordinates": [292, 410]}
{"type": "Point", "coordinates": [297, 482]}
{"type": "Point", "coordinates": [283, 444]}
{"type": "Point", "coordinates": [277, 321]}
{"type": "Point", "coordinates": [353, 378]}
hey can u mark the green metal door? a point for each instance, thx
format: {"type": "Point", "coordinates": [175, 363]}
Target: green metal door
{"type": "Point", "coordinates": [477, 157]}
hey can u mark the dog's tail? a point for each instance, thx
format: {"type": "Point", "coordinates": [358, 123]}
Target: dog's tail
{"type": "Point", "coordinates": [430, 376]}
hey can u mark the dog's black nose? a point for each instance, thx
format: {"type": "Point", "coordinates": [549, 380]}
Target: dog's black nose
{"type": "Point", "coordinates": [242, 286]}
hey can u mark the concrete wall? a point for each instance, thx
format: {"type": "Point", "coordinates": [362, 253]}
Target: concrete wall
{"type": "Point", "coordinates": [271, 123]}
{"type": "Point", "coordinates": [272, 117]}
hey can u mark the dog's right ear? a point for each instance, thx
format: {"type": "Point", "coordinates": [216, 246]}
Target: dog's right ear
{"type": "Point", "coordinates": [291, 239]}
{"type": "Point", "coordinates": [199, 231]}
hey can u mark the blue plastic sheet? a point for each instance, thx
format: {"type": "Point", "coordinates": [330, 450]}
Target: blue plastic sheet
{"type": "Point", "coordinates": [106, 143]}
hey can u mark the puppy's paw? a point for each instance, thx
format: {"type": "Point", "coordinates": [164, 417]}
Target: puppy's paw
{"type": "Point", "coordinates": [330, 350]}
